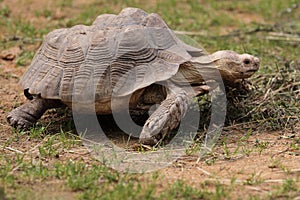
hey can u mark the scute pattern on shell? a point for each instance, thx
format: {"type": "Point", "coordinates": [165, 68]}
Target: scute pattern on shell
{"type": "Point", "coordinates": [116, 55]}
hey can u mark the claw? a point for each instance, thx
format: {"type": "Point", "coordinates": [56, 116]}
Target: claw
{"type": "Point", "coordinates": [149, 141]}
{"type": "Point", "coordinates": [165, 118]}
{"type": "Point", "coordinates": [18, 122]}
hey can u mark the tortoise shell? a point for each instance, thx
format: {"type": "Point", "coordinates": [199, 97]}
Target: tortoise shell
{"type": "Point", "coordinates": [117, 54]}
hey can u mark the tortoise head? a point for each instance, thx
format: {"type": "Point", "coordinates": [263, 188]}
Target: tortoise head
{"type": "Point", "coordinates": [233, 66]}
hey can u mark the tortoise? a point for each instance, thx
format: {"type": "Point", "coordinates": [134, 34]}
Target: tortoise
{"type": "Point", "coordinates": [133, 54]}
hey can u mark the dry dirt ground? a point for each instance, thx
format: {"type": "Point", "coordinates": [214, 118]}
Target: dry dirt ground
{"type": "Point", "coordinates": [256, 169]}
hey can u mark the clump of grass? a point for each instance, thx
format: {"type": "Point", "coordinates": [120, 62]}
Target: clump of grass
{"type": "Point", "coordinates": [179, 190]}
{"type": "Point", "coordinates": [64, 3]}
{"type": "Point", "coordinates": [274, 103]}
{"type": "Point", "coordinates": [25, 58]}
{"type": "Point", "coordinates": [5, 11]}
{"type": "Point", "coordinates": [45, 13]}
{"type": "Point", "coordinates": [288, 190]}
{"type": "Point", "coordinates": [254, 179]}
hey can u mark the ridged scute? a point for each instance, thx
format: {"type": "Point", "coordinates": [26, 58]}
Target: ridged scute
{"type": "Point", "coordinates": [116, 55]}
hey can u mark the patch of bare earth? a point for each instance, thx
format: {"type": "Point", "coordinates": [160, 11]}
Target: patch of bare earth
{"type": "Point", "coordinates": [250, 170]}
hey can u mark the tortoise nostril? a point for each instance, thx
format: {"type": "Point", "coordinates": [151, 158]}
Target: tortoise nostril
{"type": "Point", "coordinates": [257, 61]}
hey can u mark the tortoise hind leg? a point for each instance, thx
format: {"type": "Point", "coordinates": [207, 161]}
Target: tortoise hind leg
{"type": "Point", "coordinates": [25, 116]}
{"type": "Point", "coordinates": [165, 118]}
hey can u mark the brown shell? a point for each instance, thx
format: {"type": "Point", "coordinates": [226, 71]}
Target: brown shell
{"type": "Point", "coordinates": [116, 55]}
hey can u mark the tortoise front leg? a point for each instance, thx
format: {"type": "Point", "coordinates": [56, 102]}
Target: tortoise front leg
{"type": "Point", "coordinates": [165, 118]}
{"type": "Point", "coordinates": [25, 116]}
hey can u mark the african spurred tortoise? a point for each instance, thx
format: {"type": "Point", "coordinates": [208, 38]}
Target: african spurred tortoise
{"type": "Point", "coordinates": [130, 54]}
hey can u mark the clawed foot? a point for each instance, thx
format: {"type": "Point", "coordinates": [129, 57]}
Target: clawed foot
{"type": "Point", "coordinates": [20, 120]}
{"type": "Point", "coordinates": [165, 118]}
{"type": "Point", "coordinates": [25, 116]}
{"type": "Point", "coordinates": [154, 140]}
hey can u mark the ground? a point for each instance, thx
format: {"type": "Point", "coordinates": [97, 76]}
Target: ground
{"type": "Point", "coordinates": [257, 156]}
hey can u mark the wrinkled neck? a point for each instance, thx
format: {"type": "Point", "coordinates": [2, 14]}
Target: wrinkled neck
{"type": "Point", "coordinates": [215, 66]}
{"type": "Point", "coordinates": [192, 72]}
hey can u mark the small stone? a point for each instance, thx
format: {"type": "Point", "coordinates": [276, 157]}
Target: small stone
{"type": "Point", "coordinates": [10, 54]}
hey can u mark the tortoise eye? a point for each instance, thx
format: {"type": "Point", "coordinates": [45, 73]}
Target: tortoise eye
{"type": "Point", "coordinates": [246, 61]}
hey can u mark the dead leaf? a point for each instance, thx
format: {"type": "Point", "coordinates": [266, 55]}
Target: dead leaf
{"type": "Point", "coordinates": [11, 53]}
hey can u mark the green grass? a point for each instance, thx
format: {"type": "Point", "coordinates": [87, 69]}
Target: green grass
{"type": "Point", "coordinates": [220, 25]}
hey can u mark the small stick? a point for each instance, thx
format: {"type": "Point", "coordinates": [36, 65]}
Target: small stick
{"type": "Point", "coordinates": [286, 87]}
{"type": "Point", "coordinates": [283, 36]}
{"type": "Point", "coordinates": [12, 149]}
{"type": "Point", "coordinates": [280, 152]}
{"type": "Point", "coordinates": [204, 171]}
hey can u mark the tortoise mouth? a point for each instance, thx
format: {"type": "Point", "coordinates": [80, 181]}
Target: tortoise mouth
{"type": "Point", "coordinates": [250, 72]}
{"type": "Point", "coordinates": [198, 84]}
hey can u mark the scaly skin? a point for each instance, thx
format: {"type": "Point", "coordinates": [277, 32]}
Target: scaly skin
{"type": "Point", "coordinates": [25, 116]}
{"type": "Point", "coordinates": [166, 117]}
